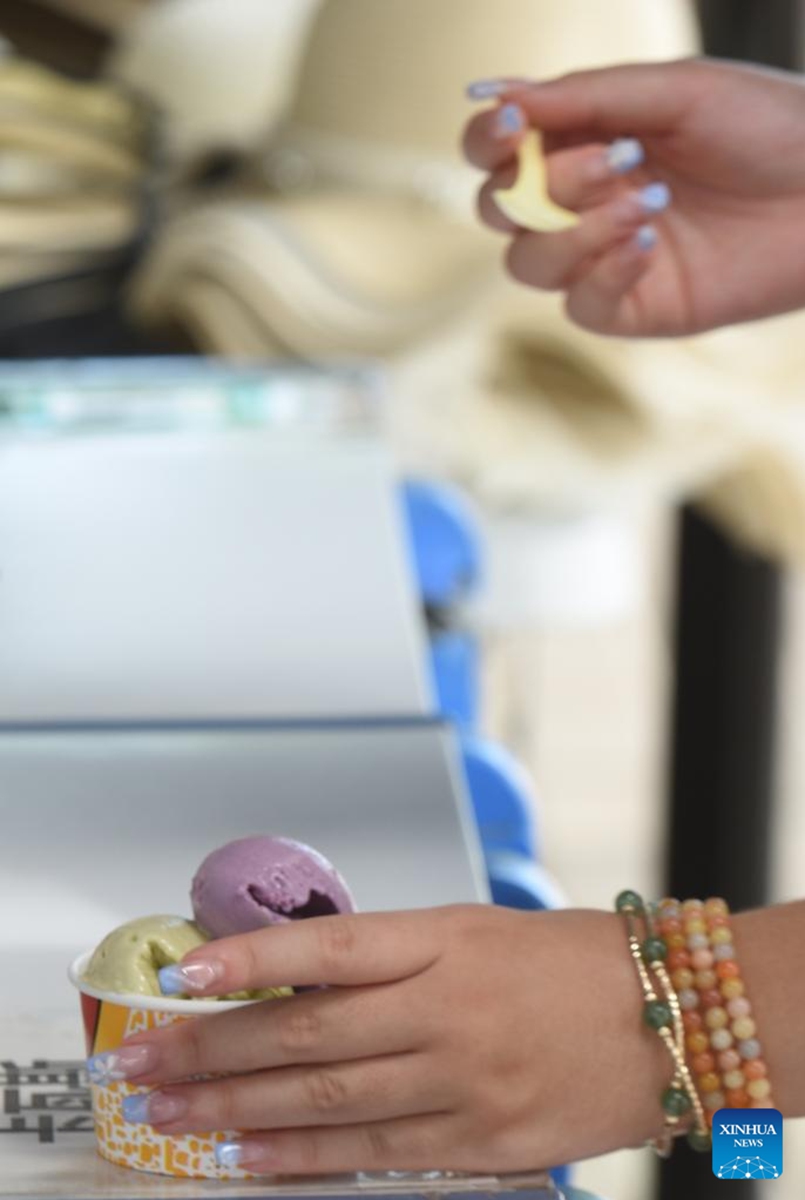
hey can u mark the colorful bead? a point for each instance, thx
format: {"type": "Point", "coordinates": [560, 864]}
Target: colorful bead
{"type": "Point", "coordinates": [716, 1018]}
{"type": "Point", "coordinates": [657, 1014]}
{"type": "Point", "coordinates": [732, 1080]}
{"type": "Point", "coordinates": [739, 1006]}
{"type": "Point", "coordinates": [711, 998]}
{"type": "Point", "coordinates": [721, 1040]}
{"type": "Point", "coordinates": [701, 960]}
{"type": "Point", "coordinates": [697, 1042]}
{"type": "Point", "coordinates": [675, 941]}
{"type": "Point", "coordinates": [688, 999]}
{"type": "Point", "coordinates": [695, 926]}
{"type": "Point", "coordinates": [675, 1102]}
{"type": "Point", "coordinates": [713, 1101]}
{"type": "Point", "coordinates": [743, 1029]}
{"type": "Point", "coordinates": [727, 969]}
{"type": "Point", "coordinates": [654, 950]}
{"type": "Point", "coordinates": [692, 905]}
{"type": "Point", "coordinates": [736, 1097]}
{"type": "Point", "coordinates": [716, 905]}
{"type": "Point", "coordinates": [729, 1060]}
{"type": "Point", "coordinates": [709, 1082]}
{"type": "Point", "coordinates": [705, 980]}
{"type": "Point", "coordinates": [629, 901]}
{"type": "Point", "coordinates": [755, 1069]}
{"type": "Point", "coordinates": [723, 951]}
{"type": "Point", "coordinates": [701, 1064]}
{"type": "Point", "coordinates": [730, 988]}
{"type": "Point", "coordinates": [698, 941]}
{"type": "Point", "coordinates": [721, 936]}
{"type": "Point", "coordinates": [750, 1048]}
{"type": "Point", "coordinates": [718, 922]}
{"type": "Point", "coordinates": [758, 1089]}
{"type": "Point", "coordinates": [682, 978]}
{"type": "Point", "coordinates": [698, 1140]}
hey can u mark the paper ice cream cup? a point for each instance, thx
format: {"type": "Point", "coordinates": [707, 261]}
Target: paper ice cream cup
{"type": "Point", "coordinates": [109, 1018]}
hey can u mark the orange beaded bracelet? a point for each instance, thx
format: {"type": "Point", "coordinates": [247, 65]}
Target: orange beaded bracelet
{"type": "Point", "coordinates": [721, 1036]}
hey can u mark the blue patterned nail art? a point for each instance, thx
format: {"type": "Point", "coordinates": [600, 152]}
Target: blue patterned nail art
{"type": "Point", "coordinates": [171, 981]}
{"type": "Point", "coordinates": [228, 1154]}
{"type": "Point", "coordinates": [646, 237]}
{"type": "Point", "coordinates": [188, 977]}
{"type": "Point", "coordinates": [509, 121]}
{"type": "Point", "coordinates": [126, 1062]}
{"type": "Point", "coordinates": [104, 1069]}
{"type": "Point", "coordinates": [656, 197]}
{"type": "Point", "coordinates": [488, 89]}
{"type": "Point", "coordinates": [135, 1109]}
{"type": "Point", "coordinates": [624, 155]}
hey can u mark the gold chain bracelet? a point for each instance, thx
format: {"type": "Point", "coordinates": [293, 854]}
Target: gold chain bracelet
{"type": "Point", "coordinates": [662, 1013]}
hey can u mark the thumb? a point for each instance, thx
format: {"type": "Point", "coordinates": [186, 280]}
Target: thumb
{"type": "Point", "coordinates": [637, 98]}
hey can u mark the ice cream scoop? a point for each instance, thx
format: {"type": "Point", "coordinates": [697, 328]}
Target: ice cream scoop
{"type": "Point", "coordinates": [128, 958]}
{"type": "Point", "coordinates": [527, 202]}
{"type": "Point", "coordinates": [258, 881]}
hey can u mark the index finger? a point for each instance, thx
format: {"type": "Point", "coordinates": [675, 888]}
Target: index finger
{"type": "Point", "coordinates": [483, 144]}
{"type": "Point", "coordinates": [349, 950]}
{"type": "Point", "coordinates": [635, 98]}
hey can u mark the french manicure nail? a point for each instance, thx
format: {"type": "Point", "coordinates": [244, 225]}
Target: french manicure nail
{"type": "Point", "coordinates": [624, 155]}
{"type": "Point", "coordinates": [655, 198]}
{"type": "Point", "coordinates": [489, 89]}
{"type": "Point", "coordinates": [189, 977]}
{"type": "Point", "coordinates": [646, 237]}
{"type": "Point", "coordinates": [509, 121]}
{"type": "Point", "coordinates": [240, 1154]}
{"type": "Point", "coordinates": [153, 1108]}
{"type": "Point", "coordinates": [127, 1062]}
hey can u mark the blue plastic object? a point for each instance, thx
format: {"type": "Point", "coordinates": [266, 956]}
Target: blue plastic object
{"type": "Point", "coordinates": [455, 662]}
{"type": "Point", "coordinates": [501, 796]}
{"type": "Point", "coordinates": [445, 543]}
{"type": "Point", "coordinates": [563, 1177]}
{"type": "Point", "coordinates": [516, 882]}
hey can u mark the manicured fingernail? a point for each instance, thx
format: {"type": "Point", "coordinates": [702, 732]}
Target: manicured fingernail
{"type": "Point", "coordinates": [624, 155]}
{"type": "Point", "coordinates": [488, 89]}
{"type": "Point", "coordinates": [509, 121]}
{"type": "Point", "coordinates": [189, 977]}
{"type": "Point", "coordinates": [241, 1154]}
{"type": "Point", "coordinates": [655, 198]}
{"type": "Point", "coordinates": [153, 1108]}
{"type": "Point", "coordinates": [646, 237]}
{"type": "Point", "coordinates": [127, 1062]}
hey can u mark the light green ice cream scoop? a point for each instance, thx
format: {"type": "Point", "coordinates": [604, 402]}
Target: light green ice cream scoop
{"type": "Point", "coordinates": [128, 959]}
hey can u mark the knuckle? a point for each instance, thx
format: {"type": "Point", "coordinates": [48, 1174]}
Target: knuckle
{"type": "Point", "coordinates": [224, 1098]}
{"type": "Point", "coordinates": [326, 1091]}
{"type": "Point", "coordinates": [380, 1146]}
{"type": "Point", "coordinates": [194, 1042]}
{"type": "Point", "coordinates": [337, 938]}
{"type": "Point", "coordinates": [250, 960]}
{"type": "Point", "coordinates": [299, 1030]}
{"type": "Point", "coordinates": [307, 1153]}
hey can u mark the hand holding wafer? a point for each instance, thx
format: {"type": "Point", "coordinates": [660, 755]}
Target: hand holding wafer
{"type": "Point", "coordinates": [702, 227]}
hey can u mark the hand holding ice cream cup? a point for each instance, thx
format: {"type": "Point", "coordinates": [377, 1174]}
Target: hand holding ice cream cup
{"type": "Point", "coordinates": [129, 986]}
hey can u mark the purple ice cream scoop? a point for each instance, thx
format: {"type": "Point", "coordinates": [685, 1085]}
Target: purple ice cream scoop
{"type": "Point", "coordinates": [259, 881]}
